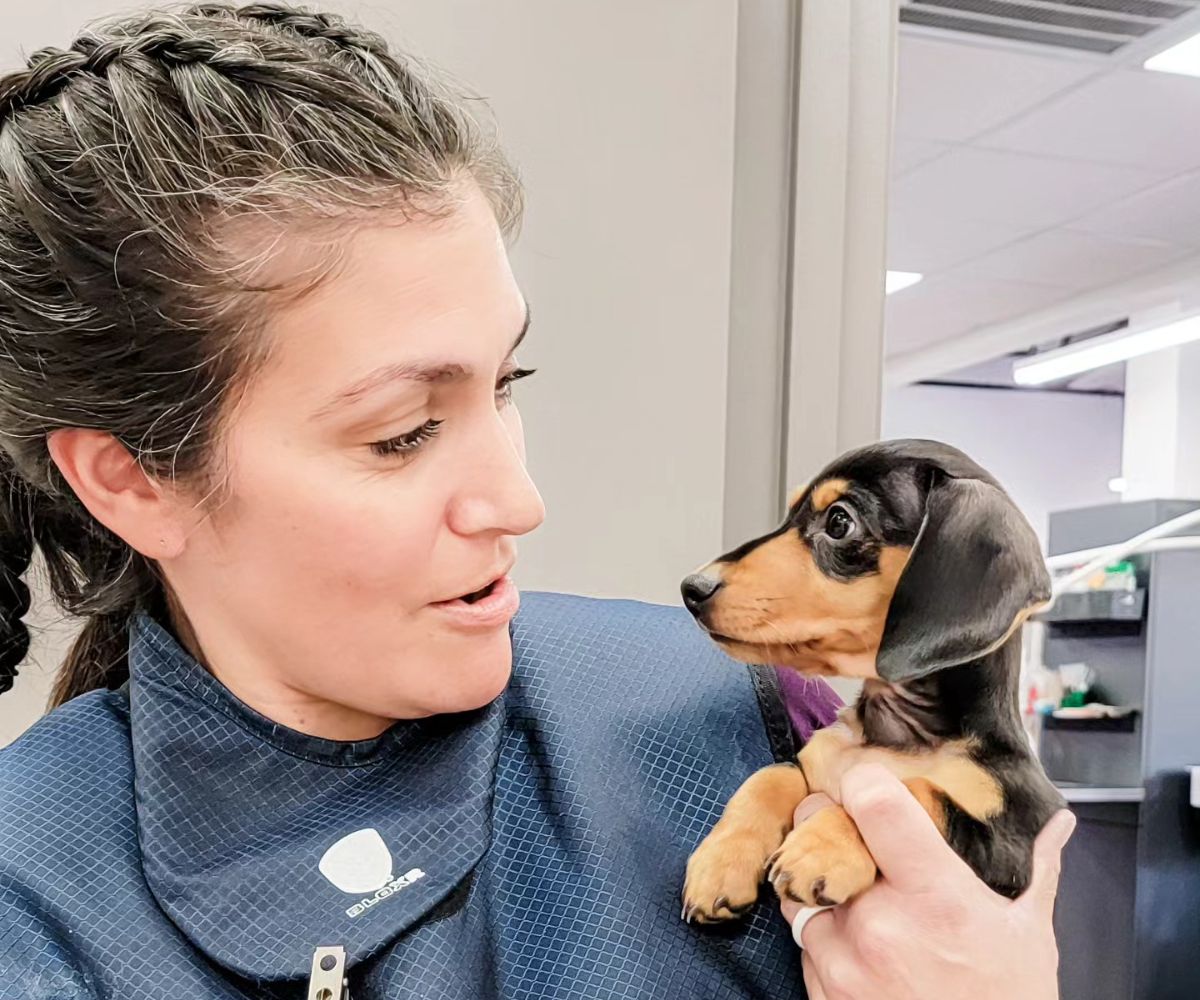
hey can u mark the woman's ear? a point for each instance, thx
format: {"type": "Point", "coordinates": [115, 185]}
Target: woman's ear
{"type": "Point", "coordinates": [975, 572]}
{"type": "Point", "coordinates": [118, 493]}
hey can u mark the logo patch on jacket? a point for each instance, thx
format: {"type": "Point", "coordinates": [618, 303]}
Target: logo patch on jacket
{"type": "Point", "coordinates": [360, 864]}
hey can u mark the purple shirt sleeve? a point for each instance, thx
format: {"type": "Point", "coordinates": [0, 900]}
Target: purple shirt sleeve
{"type": "Point", "coordinates": [811, 703]}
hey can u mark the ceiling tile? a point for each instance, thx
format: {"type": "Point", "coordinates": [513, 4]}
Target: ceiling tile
{"type": "Point", "coordinates": [1073, 261]}
{"type": "Point", "coordinates": [1130, 117]}
{"type": "Point", "coordinates": [1015, 189]}
{"type": "Point", "coordinates": [946, 306]}
{"type": "Point", "coordinates": [1168, 211]}
{"type": "Point", "coordinates": [929, 240]}
{"type": "Point", "coordinates": [909, 153]}
{"type": "Point", "coordinates": [950, 91]}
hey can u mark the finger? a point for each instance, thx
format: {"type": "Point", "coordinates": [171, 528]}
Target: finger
{"type": "Point", "coordinates": [812, 982]}
{"type": "Point", "coordinates": [825, 950]}
{"type": "Point", "coordinates": [1047, 862]}
{"type": "Point", "coordinates": [810, 806]}
{"type": "Point", "coordinates": [817, 930]}
{"type": "Point", "coordinates": [789, 909]}
{"type": "Point", "coordinates": [909, 850]}
{"type": "Point", "coordinates": [803, 918]}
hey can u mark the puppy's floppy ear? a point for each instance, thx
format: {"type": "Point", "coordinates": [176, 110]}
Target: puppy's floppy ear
{"type": "Point", "coordinates": [975, 571]}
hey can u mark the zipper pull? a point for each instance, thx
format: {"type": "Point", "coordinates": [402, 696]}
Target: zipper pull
{"type": "Point", "coordinates": [328, 978]}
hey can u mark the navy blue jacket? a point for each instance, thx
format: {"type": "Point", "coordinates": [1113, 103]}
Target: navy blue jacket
{"type": "Point", "coordinates": [167, 841]}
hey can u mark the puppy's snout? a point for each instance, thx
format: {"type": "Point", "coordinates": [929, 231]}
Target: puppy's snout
{"type": "Point", "coordinates": [698, 589]}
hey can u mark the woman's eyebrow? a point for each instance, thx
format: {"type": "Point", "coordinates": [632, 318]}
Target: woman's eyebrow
{"type": "Point", "coordinates": [413, 371]}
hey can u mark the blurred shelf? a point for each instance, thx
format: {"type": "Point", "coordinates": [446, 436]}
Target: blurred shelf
{"type": "Point", "coordinates": [1090, 793]}
{"type": "Point", "coordinates": [1122, 724]}
{"type": "Point", "coordinates": [1096, 606]}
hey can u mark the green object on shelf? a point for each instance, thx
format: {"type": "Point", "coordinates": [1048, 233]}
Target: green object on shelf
{"type": "Point", "coordinates": [1073, 699]}
{"type": "Point", "coordinates": [1120, 576]}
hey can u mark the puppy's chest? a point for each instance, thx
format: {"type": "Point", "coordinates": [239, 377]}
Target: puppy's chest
{"type": "Point", "coordinates": [949, 766]}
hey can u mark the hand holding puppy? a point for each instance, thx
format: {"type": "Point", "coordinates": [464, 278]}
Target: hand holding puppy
{"type": "Point", "coordinates": [929, 927]}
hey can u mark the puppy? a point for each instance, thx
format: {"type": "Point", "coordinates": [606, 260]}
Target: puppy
{"type": "Point", "coordinates": [904, 564]}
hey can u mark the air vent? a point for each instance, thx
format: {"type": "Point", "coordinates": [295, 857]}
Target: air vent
{"type": "Point", "coordinates": [1102, 26]}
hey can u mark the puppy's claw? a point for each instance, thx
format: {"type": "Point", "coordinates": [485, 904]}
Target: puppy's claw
{"type": "Point", "coordinates": [823, 862]}
{"type": "Point", "coordinates": [818, 893]}
{"type": "Point", "coordinates": [723, 877]}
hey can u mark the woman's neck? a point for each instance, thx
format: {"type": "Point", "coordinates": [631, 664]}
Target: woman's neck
{"type": "Point", "coordinates": [280, 702]}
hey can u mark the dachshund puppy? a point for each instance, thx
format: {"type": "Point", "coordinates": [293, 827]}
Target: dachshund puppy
{"type": "Point", "coordinates": [904, 564]}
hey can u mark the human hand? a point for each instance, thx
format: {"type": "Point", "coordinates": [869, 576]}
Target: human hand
{"type": "Point", "coordinates": [929, 927]}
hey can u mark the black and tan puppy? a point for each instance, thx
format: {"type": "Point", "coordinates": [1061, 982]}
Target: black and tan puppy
{"type": "Point", "coordinates": [905, 564]}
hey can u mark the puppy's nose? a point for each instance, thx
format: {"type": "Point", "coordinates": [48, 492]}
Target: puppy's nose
{"type": "Point", "coordinates": [697, 589]}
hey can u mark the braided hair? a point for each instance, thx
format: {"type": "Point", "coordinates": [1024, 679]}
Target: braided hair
{"type": "Point", "coordinates": [132, 164]}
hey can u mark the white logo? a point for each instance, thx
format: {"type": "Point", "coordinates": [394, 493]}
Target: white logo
{"type": "Point", "coordinates": [361, 863]}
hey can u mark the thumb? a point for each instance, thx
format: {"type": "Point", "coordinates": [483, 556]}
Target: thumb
{"type": "Point", "coordinates": [1047, 862]}
{"type": "Point", "coordinates": [911, 852]}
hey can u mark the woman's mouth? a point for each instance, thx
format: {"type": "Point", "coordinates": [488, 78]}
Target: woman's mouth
{"type": "Point", "coordinates": [486, 608]}
{"type": "Point", "coordinates": [479, 595]}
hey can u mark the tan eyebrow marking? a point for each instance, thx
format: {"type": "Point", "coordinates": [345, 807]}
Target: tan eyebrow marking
{"type": "Point", "coordinates": [829, 492]}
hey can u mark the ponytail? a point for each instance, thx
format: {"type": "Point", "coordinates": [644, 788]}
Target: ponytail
{"type": "Point", "coordinates": [16, 550]}
{"type": "Point", "coordinates": [97, 659]}
{"type": "Point", "coordinates": [92, 574]}
{"type": "Point", "coordinates": [96, 576]}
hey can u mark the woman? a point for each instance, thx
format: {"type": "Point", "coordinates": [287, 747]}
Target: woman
{"type": "Point", "coordinates": [259, 344]}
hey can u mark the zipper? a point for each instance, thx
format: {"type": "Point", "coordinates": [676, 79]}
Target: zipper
{"type": "Point", "coordinates": [328, 978]}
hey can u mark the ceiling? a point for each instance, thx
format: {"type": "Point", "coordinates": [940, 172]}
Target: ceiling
{"type": "Point", "coordinates": [1024, 175]}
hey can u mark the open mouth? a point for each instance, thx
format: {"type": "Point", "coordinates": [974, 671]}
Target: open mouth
{"type": "Point", "coordinates": [479, 595]}
{"type": "Point", "coordinates": [488, 607]}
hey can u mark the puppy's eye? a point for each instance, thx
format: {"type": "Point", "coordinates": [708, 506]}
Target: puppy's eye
{"type": "Point", "coordinates": [838, 523]}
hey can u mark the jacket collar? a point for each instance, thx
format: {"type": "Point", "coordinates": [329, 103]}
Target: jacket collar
{"type": "Point", "coordinates": [262, 843]}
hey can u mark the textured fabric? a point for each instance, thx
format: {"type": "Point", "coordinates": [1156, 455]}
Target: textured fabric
{"type": "Point", "coordinates": [229, 876]}
{"type": "Point", "coordinates": [612, 752]}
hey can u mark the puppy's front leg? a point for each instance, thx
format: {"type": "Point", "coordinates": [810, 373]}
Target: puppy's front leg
{"type": "Point", "coordinates": [725, 871]}
{"type": "Point", "coordinates": [824, 861]}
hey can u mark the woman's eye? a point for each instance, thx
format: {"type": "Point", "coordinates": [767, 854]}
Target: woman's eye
{"type": "Point", "coordinates": [504, 386]}
{"type": "Point", "coordinates": [407, 443]}
{"type": "Point", "coordinates": [838, 524]}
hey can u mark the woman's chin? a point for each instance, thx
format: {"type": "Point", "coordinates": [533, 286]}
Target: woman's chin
{"type": "Point", "coordinates": [474, 681]}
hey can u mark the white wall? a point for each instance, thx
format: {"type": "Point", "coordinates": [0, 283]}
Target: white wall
{"type": "Point", "coordinates": [620, 115]}
{"type": "Point", "coordinates": [1162, 424]}
{"type": "Point", "coordinates": [1050, 450]}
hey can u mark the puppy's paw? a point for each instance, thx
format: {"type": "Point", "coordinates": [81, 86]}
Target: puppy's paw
{"type": "Point", "coordinates": [723, 877]}
{"type": "Point", "coordinates": [823, 861]}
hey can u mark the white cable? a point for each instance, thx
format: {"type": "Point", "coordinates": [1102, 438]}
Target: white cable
{"type": "Point", "coordinates": [1067, 559]}
{"type": "Point", "coordinates": [1114, 553]}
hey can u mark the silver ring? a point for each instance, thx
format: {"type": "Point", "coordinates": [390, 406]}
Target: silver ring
{"type": "Point", "coordinates": [802, 918]}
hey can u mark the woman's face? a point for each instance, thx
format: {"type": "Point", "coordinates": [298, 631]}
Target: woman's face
{"type": "Point", "coordinates": [376, 477]}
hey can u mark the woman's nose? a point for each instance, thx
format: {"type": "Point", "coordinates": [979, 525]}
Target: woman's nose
{"type": "Point", "coordinates": [500, 498]}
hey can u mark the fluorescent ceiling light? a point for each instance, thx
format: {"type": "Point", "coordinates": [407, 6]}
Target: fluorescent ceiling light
{"type": "Point", "coordinates": [1106, 350]}
{"type": "Point", "coordinates": [897, 281]}
{"type": "Point", "coordinates": [1182, 58]}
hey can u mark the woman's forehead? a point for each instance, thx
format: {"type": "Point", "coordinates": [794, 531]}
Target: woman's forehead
{"type": "Point", "coordinates": [428, 293]}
